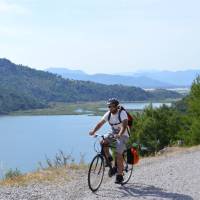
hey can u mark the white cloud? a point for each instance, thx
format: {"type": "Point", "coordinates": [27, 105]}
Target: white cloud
{"type": "Point", "coordinates": [7, 7]}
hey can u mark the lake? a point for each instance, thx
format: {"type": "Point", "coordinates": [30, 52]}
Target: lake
{"type": "Point", "coordinates": [25, 140]}
{"type": "Point", "coordinates": [140, 105]}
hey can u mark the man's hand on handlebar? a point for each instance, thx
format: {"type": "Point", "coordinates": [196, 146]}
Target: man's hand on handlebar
{"type": "Point", "coordinates": [92, 133]}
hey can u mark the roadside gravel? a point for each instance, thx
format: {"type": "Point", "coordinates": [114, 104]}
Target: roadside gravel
{"type": "Point", "coordinates": [167, 177]}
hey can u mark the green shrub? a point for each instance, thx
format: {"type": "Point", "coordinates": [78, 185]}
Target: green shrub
{"type": "Point", "coordinates": [157, 128]}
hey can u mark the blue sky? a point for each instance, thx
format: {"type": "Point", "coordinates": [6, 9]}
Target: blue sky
{"type": "Point", "coordinates": [109, 36]}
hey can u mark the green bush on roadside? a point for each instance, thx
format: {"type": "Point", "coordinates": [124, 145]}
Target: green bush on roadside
{"type": "Point", "coordinates": [157, 128]}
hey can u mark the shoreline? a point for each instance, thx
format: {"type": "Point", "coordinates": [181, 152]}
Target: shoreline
{"type": "Point", "coordinates": [86, 108]}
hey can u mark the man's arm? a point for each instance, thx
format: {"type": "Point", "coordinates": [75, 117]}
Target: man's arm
{"type": "Point", "coordinates": [97, 127]}
{"type": "Point", "coordinates": [124, 127]}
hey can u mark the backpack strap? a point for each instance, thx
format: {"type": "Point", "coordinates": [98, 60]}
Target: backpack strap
{"type": "Point", "coordinates": [119, 117]}
{"type": "Point", "coordinates": [109, 115]}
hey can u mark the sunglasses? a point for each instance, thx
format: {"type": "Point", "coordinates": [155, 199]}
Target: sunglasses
{"type": "Point", "coordinates": [112, 106]}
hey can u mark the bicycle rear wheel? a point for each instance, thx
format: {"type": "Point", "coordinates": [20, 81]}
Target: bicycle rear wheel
{"type": "Point", "coordinates": [128, 169]}
{"type": "Point", "coordinates": [96, 173]}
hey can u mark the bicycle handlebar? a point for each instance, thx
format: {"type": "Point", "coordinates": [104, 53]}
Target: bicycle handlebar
{"type": "Point", "coordinates": [111, 136]}
{"type": "Point", "coordinates": [98, 135]}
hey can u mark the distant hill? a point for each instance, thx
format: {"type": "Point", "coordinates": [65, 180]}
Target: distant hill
{"type": "Point", "coordinates": [23, 88]}
{"type": "Point", "coordinates": [178, 78]}
{"type": "Point", "coordinates": [153, 79]}
{"type": "Point", "coordinates": [65, 71]}
{"type": "Point", "coordinates": [139, 81]}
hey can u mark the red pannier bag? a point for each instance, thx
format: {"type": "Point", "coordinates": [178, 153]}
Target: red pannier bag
{"type": "Point", "coordinates": [132, 156]}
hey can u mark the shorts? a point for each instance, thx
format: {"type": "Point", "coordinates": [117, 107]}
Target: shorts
{"type": "Point", "coordinates": [120, 143]}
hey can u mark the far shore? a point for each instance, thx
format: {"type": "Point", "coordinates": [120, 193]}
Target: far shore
{"type": "Point", "coordinates": [82, 108]}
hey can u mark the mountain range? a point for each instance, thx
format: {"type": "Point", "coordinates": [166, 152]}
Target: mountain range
{"type": "Point", "coordinates": [178, 78]}
{"type": "Point", "coordinates": [154, 79]}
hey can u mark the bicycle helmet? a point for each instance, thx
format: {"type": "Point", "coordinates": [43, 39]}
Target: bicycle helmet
{"type": "Point", "coordinates": [113, 101]}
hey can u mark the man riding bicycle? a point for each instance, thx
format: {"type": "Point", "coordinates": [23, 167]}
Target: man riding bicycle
{"type": "Point", "coordinates": [118, 120]}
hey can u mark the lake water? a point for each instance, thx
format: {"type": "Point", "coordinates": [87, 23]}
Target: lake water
{"type": "Point", "coordinates": [25, 140]}
{"type": "Point", "coordinates": [140, 105]}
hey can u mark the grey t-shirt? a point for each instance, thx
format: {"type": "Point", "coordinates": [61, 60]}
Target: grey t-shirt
{"type": "Point", "coordinates": [114, 119]}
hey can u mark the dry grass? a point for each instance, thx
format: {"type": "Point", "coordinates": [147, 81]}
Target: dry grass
{"type": "Point", "coordinates": [62, 167]}
{"type": "Point", "coordinates": [70, 171]}
{"type": "Point", "coordinates": [45, 175]}
{"type": "Point", "coordinates": [168, 152]}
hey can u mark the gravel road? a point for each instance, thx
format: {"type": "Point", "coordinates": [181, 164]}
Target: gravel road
{"type": "Point", "coordinates": [165, 177]}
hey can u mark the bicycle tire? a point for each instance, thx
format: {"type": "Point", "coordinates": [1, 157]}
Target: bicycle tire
{"type": "Point", "coordinates": [97, 169]}
{"type": "Point", "coordinates": [128, 169]}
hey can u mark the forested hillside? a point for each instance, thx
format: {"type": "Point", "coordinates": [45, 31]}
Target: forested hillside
{"type": "Point", "coordinates": [22, 88]}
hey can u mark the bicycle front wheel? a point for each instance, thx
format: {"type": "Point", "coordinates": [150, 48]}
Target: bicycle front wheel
{"type": "Point", "coordinates": [96, 173]}
{"type": "Point", "coordinates": [128, 168]}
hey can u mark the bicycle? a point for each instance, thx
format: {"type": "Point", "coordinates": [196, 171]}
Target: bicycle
{"type": "Point", "coordinates": [97, 167]}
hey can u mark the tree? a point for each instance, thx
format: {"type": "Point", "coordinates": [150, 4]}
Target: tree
{"type": "Point", "coordinates": [194, 112]}
{"type": "Point", "coordinates": [157, 128]}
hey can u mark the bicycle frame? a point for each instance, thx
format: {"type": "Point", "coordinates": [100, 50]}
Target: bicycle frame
{"type": "Point", "coordinates": [101, 152]}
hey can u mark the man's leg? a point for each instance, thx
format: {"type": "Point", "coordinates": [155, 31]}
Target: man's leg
{"type": "Point", "coordinates": [105, 143]}
{"type": "Point", "coordinates": [120, 164]}
{"type": "Point", "coordinates": [121, 146]}
{"type": "Point", "coordinates": [120, 168]}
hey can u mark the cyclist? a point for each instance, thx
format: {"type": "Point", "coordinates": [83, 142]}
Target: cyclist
{"type": "Point", "coordinates": [118, 121]}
